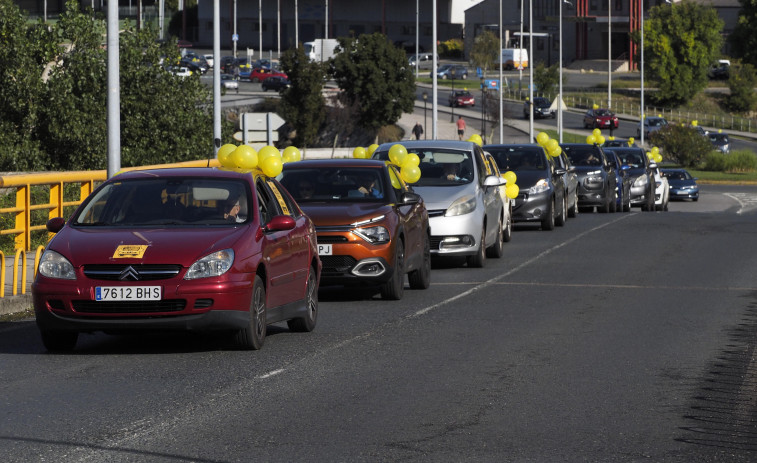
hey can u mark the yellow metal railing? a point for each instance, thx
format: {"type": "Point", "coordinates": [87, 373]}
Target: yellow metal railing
{"type": "Point", "coordinates": [23, 183]}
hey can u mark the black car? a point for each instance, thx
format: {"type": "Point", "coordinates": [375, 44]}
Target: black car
{"type": "Point", "coordinates": [622, 181]}
{"type": "Point", "coordinates": [194, 66]}
{"type": "Point", "coordinates": [542, 186]}
{"type": "Point", "coordinates": [542, 108]}
{"type": "Point", "coordinates": [277, 83]}
{"type": "Point", "coordinates": [720, 142]}
{"type": "Point", "coordinates": [571, 182]}
{"type": "Point", "coordinates": [640, 173]}
{"type": "Point", "coordinates": [596, 177]}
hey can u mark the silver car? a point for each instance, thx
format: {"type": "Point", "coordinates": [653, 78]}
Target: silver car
{"type": "Point", "coordinates": [462, 193]}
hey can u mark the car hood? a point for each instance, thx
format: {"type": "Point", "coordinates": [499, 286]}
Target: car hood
{"type": "Point", "coordinates": [583, 170]}
{"type": "Point", "coordinates": [167, 245]}
{"type": "Point", "coordinates": [442, 197]}
{"type": "Point", "coordinates": [330, 214]}
{"type": "Point", "coordinates": [525, 179]}
{"type": "Point", "coordinates": [681, 183]}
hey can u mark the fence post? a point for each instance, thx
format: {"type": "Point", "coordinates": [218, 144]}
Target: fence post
{"type": "Point", "coordinates": [23, 220]}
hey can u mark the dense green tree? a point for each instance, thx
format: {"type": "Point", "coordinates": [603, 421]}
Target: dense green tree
{"type": "Point", "coordinates": [546, 78]}
{"type": "Point", "coordinates": [681, 144]}
{"type": "Point", "coordinates": [302, 104]}
{"type": "Point", "coordinates": [485, 50]}
{"type": "Point", "coordinates": [743, 39]}
{"type": "Point", "coordinates": [682, 41]}
{"type": "Point", "coordinates": [743, 80]}
{"type": "Point", "coordinates": [375, 78]}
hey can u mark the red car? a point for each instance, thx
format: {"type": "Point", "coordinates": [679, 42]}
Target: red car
{"type": "Point", "coordinates": [184, 249]}
{"type": "Point", "coordinates": [600, 119]}
{"type": "Point", "coordinates": [372, 227]}
{"type": "Point", "coordinates": [260, 74]}
{"type": "Point", "coordinates": [461, 98]}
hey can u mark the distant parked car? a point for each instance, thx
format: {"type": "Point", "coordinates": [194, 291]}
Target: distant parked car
{"type": "Point", "coordinates": [261, 74]}
{"type": "Point", "coordinates": [651, 125]}
{"type": "Point", "coordinates": [277, 83]}
{"type": "Point", "coordinates": [209, 59]}
{"type": "Point", "coordinates": [542, 108]}
{"type": "Point", "coordinates": [596, 177]}
{"type": "Point", "coordinates": [228, 82]}
{"type": "Point", "coordinates": [179, 71]}
{"type": "Point", "coordinates": [600, 119]}
{"type": "Point", "coordinates": [425, 60]}
{"type": "Point", "coordinates": [451, 71]}
{"type": "Point", "coordinates": [461, 98]}
{"type": "Point", "coordinates": [617, 142]}
{"type": "Point", "coordinates": [720, 142]}
{"type": "Point", "coordinates": [196, 67]}
{"type": "Point", "coordinates": [681, 184]}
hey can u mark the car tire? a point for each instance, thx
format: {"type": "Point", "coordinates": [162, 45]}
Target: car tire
{"type": "Point", "coordinates": [252, 337]}
{"type": "Point", "coordinates": [507, 235]}
{"type": "Point", "coordinates": [307, 323]}
{"type": "Point", "coordinates": [605, 208]}
{"type": "Point", "coordinates": [562, 217]}
{"type": "Point", "coordinates": [548, 222]}
{"type": "Point", "coordinates": [479, 259]}
{"type": "Point", "coordinates": [627, 205]}
{"type": "Point", "coordinates": [393, 289]}
{"type": "Point", "coordinates": [497, 249]}
{"type": "Point", "coordinates": [421, 278]}
{"type": "Point", "coordinates": [614, 202]}
{"type": "Point", "coordinates": [59, 341]}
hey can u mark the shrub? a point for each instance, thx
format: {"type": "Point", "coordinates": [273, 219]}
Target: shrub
{"type": "Point", "coordinates": [714, 161]}
{"type": "Point", "coordinates": [741, 161]}
{"type": "Point", "coordinates": [452, 48]}
{"type": "Point", "coordinates": [681, 144]}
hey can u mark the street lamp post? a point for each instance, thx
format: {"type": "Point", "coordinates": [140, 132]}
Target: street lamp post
{"type": "Point", "coordinates": [452, 76]}
{"type": "Point", "coordinates": [425, 99]}
{"type": "Point", "coordinates": [609, 57]}
{"type": "Point", "coordinates": [483, 106]}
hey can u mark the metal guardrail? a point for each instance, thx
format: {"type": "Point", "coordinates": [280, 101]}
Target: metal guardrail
{"type": "Point", "coordinates": [55, 204]}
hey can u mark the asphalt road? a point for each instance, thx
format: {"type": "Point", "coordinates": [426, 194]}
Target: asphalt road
{"type": "Point", "coordinates": [619, 337]}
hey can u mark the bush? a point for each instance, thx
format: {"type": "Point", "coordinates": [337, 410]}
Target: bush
{"type": "Point", "coordinates": [681, 144]}
{"type": "Point", "coordinates": [452, 48]}
{"type": "Point", "coordinates": [742, 97]}
{"type": "Point", "coordinates": [736, 162]}
{"type": "Point", "coordinates": [715, 161]}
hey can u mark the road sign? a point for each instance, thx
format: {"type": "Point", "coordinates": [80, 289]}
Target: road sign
{"type": "Point", "coordinates": [492, 84]}
{"type": "Point", "coordinates": [259, 121]}
{"type": "Point", "coordinates": [235, 37]}
{"type": "Point", "coordinates": [254, 136]}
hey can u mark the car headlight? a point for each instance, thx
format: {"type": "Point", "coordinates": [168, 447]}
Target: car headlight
{"type": "Point", "coordinates": [461, 206]}
{"type": "Point", "coordinates": [594, 172]}
{"type": "Point", "coordinates": [594, 179]}
{"type": "Point", "coordinates": [640, 181]}
{"type": "Point", "coordinates": [212, 265]}
{"type": "Point", "coordinates": [54, 265]}
{"type": "Point", "coordinates": [541, 185]}
{"type": "Point", "coordinates": [373, 235]}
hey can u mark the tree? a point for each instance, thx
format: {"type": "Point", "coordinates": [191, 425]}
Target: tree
{"type": "Point", "coordinates": [742, 97]}
{"type": "Point", "coordinates": [681, 144]}
{"type": "Point", "coordinates": [302, 104]}
{"type": "Point", "coordinates": [743, 39]}
{"type": "Point", "coordinates": [682, 40]}
{"type": "Point", "coordinates": [485, 50]}
{"type": "Point", "coordinates": [376, 78]}
{"type": "Point", "coordinates": [546, 78]}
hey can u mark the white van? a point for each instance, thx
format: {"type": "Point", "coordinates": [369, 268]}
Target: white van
{"type": "Point", "coordinates": [425, 60]}
{"type": "Point", "coordinates": [513, 58]}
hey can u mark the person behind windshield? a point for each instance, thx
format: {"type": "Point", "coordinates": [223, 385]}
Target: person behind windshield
{"type": "Point", "coordinates": [366, 188]}
{"type": "Point", "coordinates": [231, 210]}
{"type": "Point", "coordinates": [450, 172]}
{"type": "Point", "coordinates": [305, 189]}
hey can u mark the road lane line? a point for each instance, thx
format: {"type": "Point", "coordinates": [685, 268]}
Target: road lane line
{"type": "Point", "coordinates": [610, 286]}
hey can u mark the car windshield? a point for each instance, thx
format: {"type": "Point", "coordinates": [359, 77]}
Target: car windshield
{"type": "Point", "coordinates": [462, 93]}
{"type": "Point", "coordinates": [632, 159]}
{"type": "Point", "coordinates": [718, 137]}
{"type": "Point", "coordinates": [519, 158]}
{"type": "Point", "coordinates": [677, 175]}
{"type": "Point", "coordinates": [583, 156]}
{"type": "Point", "coordinates": [541, 101]}
{"type": "Point", "coordinates": [602, 112]}
{"type": "Point", "coordinates": [656, 122]}
{"type": "Point", "coordinates": [167, 201]}
{"type": "Point", "coordinates": [334, 184]}
{"type": "Point", "coordinates": [440, 167]}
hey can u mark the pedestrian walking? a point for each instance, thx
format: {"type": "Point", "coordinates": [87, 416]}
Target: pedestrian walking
{"type": "Point", "coordinates": [460, 127]}
{"type": "Point", "coordinates": [418, 130]}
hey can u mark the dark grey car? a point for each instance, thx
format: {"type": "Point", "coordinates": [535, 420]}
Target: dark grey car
{"type": "Point", "coordinates": [570, 178]}
{"type": "Point", "coordinates": [596, 177]}
{"type": "Point", "coordinates": [641, 175]}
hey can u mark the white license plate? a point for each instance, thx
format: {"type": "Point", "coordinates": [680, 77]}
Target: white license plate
{"type": "Point", "coordinates": [127, 293]}
{"type": "Point", "coordinates": [324, 249]}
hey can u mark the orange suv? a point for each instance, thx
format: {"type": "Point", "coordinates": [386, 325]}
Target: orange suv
{"type": "Point", "coordinates": [371, 227]}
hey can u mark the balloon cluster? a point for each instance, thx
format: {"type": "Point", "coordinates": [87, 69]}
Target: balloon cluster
{"type": "Point", "coordinates": [407, 162]}
{"type": "Point", "coordinates": [630, 141]}
{"type": "Point", "coordinates": [511, 190]}
{"type": "Point", "coordinates": [364, 153]}
{"type": "Point", "coordinates": [550, 145]}
{"type": "Point", "coordinates": [595, 137]}
{"type": "Point", "coordinates": [655, 155]}
{"type": "Point", "coordinates": [476, 138]}
{"type": "Point", "coordinates": [269, 159]}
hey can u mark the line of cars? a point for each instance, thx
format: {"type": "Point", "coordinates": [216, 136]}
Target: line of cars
{"type": "Point", "coordinates": [213, 249]}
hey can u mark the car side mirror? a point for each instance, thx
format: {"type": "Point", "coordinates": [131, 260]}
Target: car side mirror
{"type": "Point", "coordinates": [560, 171]}
{"type": "Point", "coordinates": [280, 223]}
{"type": "Point", "coordinates": [493, 180]}
{"type": "Point", "coordinates": [653, 165]}
{"type": "Point", "coordinates": [55, 224]}
{"type": "Point", "coordinates": [410, 198]}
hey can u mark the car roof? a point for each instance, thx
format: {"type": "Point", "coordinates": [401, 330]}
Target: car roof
{"type": "Point", "coordinates": [344, 162]}
{"type": "Point", "coordinates": [432, 144]}
{"type": "Point", "coordinates": [205, 172]}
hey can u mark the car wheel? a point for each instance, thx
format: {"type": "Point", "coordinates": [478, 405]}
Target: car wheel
{"type": "Point", "coordinates": [444, 76]}
{"type": "Point", "coordinates": [395, 286]}
{"type": "Point", "coordinates": [479, 259]}
{"type": "Point", "coordinates": [59, 341]}
{"type": "Point", "coordinates": [253, 336]}
{"type": "Point", "coordinates": [614, 202]}
{"type": "Point", "coordinates": [560, 219]}
{"type": "Point", "coordinates": [421, 278]}
{"type": "Point", "coordinates": [548, 222]}
{"type": "Point", "coordinates": [605, 208]}
{"type": "Point", "coordinates": [627, 205]}
{"type": "Point", "coordinates": [507, 235]}
{"type": "Point", "coordinates": [496, 249]}
{"type": "Point", "coordinates": [573, 211]}
{"type": "Point", "coordinates": [307, 323]}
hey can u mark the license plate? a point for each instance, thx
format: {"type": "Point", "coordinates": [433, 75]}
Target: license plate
{"type": "Point", "coordinates": [127, 293]}
{"type": "Point", "coordinates": [324, 249]}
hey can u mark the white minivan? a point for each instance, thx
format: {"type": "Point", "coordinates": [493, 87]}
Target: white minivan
{"type": "Point", "coordinates": [425, 60]}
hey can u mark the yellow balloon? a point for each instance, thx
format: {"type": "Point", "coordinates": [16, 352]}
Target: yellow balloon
{"type": "Point", "coordinates": [556, 151]}
{"type": "Point", "coordinates": [395, 181]}
{"type": "Point", "coordinates": [596, 132]}
{"type": "Point", "coordinates": [476, 138]}
{"type": "Point", "coordinates": [650, 155]}
{"type": "Point", "coordinates": [510, 177]}
{"type": "Point", "coordinates": [397, 154]}
{"type": "Point", "coordinates": [224, 152]}
{"type": "Point", "coordinates": [271, 166]}
{"type": "Point", "coordinates": [243, 157]}
{"type": "Point", "coordinates": [595, 106]}
{"type": "Point", "coordinates": [511, 190]}
{"type": "Point", "coordinates": [266, 152]}
{"type": "Point", "coordinates": [359, 153]}
{"type": "Point", "coordinates": [551, 145]}
{"type": "Point", "coordinates": [411, 159]}
{"type": "Point", "coordinates": [658, 158]}
{"type": "Point", "coordinates": [371, 149]}
{"type": "Point", "coordinates": [611, 137]}
{"type": "Point", "coordinates": [694, 123]}
{"type": "Point", "coordinates": [542, 138]}
{"type": "Point", "coordinates": [410, 174]}
{"type": "Point", "coordinates": [591, 139]}
{"type": "Point", "coordinates": [600, 139]}
{"type": "Point", "coordinates": [630, 141]}
{"type": "Point", "coordinates": [655, 150]}
{"type": "Point", "coordinates": [291, 154]}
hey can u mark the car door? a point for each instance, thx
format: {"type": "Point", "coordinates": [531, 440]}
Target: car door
{"type": "Point", "coordinates": [410, 217]}
{"type": "Point", "coordinates": [490, 196]}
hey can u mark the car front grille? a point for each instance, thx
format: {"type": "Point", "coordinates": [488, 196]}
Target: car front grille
{"type": "Point", "coordinates": [337, 264]}
{"type": "Point", "coordinates": [435, 241]}
{"type": "Point", "coordinates": [127, 272]}
{"type": "Point", "coordinates": [124, 307]}
{"type": "Point", "coordinates": [436, 213]}
{"type": "Point", "coordinates": [331, 239]}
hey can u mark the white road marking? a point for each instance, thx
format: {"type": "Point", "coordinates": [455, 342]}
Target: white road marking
{"type": "Point", "coordinates": [747, 201]}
